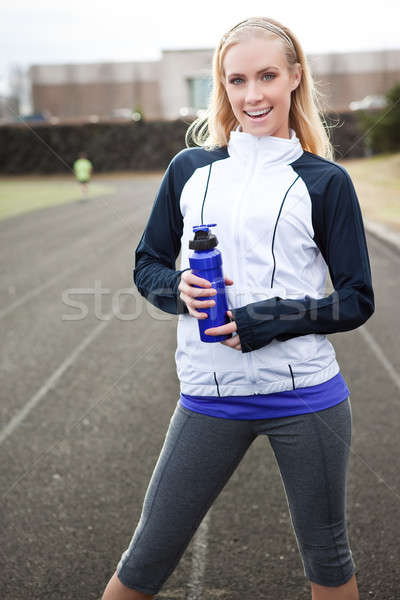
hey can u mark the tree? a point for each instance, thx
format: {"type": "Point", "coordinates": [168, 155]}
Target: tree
{"type": "Point", "coordinates": [382, 127]}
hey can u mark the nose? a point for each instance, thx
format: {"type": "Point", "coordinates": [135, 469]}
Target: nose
{"type": "Point", "coordinates": [253, 93]}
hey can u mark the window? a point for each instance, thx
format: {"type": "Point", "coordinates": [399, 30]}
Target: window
{"type": "Point", "coordinates": [199, 92]}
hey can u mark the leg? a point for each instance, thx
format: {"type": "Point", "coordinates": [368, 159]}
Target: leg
{"type": "Point", "coordinates": [84, 190]}
{"type": "Point", "coordinates": [312, 452]}
{"type": "Point", "coordinates": [116, 590]}
{"type": "Point", "coordinates": [198, 456]}
{"type": "Point", "coordinates": [347, 591]}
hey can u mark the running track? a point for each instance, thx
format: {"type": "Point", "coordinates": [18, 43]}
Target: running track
{"type": "Point", "coordinates": [85, 405]}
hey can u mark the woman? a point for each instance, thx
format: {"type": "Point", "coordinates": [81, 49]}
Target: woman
{"type": "Point", "coordinates": [285, 214]}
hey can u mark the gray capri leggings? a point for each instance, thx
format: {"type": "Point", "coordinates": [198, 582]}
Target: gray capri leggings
{"type": "Point", "coordinates": [198, 457]}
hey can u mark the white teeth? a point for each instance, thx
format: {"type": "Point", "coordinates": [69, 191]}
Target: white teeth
{"type": "Point", "coordinates": [255, 113]}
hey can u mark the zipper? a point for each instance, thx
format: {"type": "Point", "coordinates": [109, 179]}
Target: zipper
{"type": "Point", "coordinates": [216, 383]}
{"type": "Point", "coordinates": [236, 237]}
{"type": "Point", "coordinates": [291, 373]}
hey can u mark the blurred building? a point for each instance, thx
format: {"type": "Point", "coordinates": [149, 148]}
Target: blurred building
{"type": "Point", "coordinates": [16, 99]}
{"type": "Point", "coordinates": [352, 76]}
{"type": "Point", "coordinates": [102, 89]}
{"type": "Point", "coordinates": [179, 84]}
{"type": "Point", "coordinates": [9, 108]}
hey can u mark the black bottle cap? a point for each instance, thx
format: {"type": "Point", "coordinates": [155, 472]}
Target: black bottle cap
{"type": "Point", "coordinates": [203, 238]}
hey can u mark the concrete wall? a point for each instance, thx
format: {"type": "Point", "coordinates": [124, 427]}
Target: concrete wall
{"type": "Point", "coordinates": [72, 100]}
{"type": "Point", "coordinates": [87, 89]}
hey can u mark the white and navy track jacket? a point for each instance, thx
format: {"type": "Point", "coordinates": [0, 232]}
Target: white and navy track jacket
{"type": "Point", "coordinates": [284, 218]}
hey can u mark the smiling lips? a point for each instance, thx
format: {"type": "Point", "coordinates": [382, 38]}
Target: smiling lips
{"type": "Point", "coordinates": [257, 114]}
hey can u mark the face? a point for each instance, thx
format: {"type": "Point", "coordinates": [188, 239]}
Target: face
{"type": "Point", "coordinates": [256, 78]}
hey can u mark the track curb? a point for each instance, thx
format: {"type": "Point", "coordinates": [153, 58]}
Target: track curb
{"type": "Point", "coordinates": [383, 233]}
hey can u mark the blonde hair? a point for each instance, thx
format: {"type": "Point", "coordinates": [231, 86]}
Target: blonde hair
{"type": "Point", "coordinates": [305, 115]}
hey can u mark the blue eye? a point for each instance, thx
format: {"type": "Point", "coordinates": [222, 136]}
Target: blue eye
{"type": "Point", "coordinates": [272, 75]}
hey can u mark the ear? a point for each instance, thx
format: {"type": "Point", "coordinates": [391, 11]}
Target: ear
{"type": "Point", "coordinates": [297, 76]}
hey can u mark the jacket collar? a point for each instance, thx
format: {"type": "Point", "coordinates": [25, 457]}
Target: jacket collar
{"type": "Point", "coordinates": [268, 149]}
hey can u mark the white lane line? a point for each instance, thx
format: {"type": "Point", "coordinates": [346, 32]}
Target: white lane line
{"type": "Point", "coordinates": [82, 240]}
{"type": "Point", "coordinates": [98, 402]}
{"type": "Point", "coordinates": [50, 216]}
{"type": "Point", "coordinates": [52, 258]}
{"type": "Point", "coordinates": [37, 290]}
{"type": "Point", "coordinates": [199, 559]}
{"type": "Point", "coordinates": [52, 380]}
{"type": "Point", "coordinates": [379, 353]}
{"type": "Point", "coordinates": [79, 265]}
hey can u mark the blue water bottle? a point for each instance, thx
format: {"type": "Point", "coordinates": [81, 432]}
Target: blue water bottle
{"type": "Point", "coordinates": [206, 262]}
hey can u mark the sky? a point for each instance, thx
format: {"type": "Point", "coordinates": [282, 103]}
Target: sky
{"type": "Point", "coordinates": [50, 32]}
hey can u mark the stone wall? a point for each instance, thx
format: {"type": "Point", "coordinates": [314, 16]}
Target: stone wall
{"type": "Point", "coordinates": [126, 146]}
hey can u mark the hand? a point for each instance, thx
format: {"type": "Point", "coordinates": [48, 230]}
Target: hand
{"type": "Point", "coordinates": [189, 293]}
{"type": "Point", "coordinates": [234, 341]}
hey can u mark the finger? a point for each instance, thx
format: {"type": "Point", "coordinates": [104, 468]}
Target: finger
{"type": "Point", "coordinates": [197, 314]}
{"type": "Point", "coordinates": [200, 292]}
{"type": "Point", "coordinates": [195, 292]}
{"type": "Point", "coordinates": [227, 343]}
{"type": "Point", "coordinates": [193, 302]}
{"type": "Point", "coordinates": [206, 303]}
{"type": "Point", "coordinates": [192, 305]}
{"type": "Point", "coordinates": [192, 278]}
{"type": "Point", "coordinates": [221, 330]}
{"type": "Point", "coordinates": [190, 288]}
{"type": "Point", "coordinates": [233, 341]}
{"type": "Point", "coordinates": [237, 347]}
{"type": "Point", "coordinates": [232, 322]}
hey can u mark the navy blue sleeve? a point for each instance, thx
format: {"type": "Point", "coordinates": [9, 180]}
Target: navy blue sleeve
{"type": "Point", "coordinates": [154, 273]}
{"type": "Point", "coordinates": [339, 234]}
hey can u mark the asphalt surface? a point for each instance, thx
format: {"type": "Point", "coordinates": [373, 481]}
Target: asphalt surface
{"type": "Point", "coordinates": [85, 405]}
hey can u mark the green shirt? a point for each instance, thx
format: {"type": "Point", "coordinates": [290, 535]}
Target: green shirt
{"type": "Point", "coordinates": [82, 168]}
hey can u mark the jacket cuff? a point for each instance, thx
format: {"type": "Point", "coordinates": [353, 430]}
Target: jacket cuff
{"type": "Point", "coordinates": [244, 328]}
{"type": "Point", "coordinates": [259, 322]}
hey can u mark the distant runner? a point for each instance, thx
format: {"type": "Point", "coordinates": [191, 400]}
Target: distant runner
{"type": "Point", "coordinates": [83, 170]}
